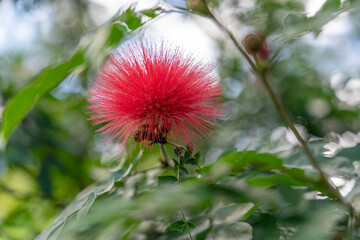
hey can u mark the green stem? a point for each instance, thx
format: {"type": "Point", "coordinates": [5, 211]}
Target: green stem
{"type": "Point", "coordinates": [186, 224]}
{"type": "Point", "coordinates": [182, 212]}
{"type": "Point", "coordinates": [211, 222]}
{"type": "Point", "coordinates": [166, 157]}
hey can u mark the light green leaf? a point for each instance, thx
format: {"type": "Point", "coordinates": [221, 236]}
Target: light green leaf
{"type": "Point", "coordinates": [269, 181]}
{"type": "Point", "coordinates": [251, 211]}
{"type": "Point", "coordinates": [23, 101]}
{"type": "Point", "coordinates": [259, 160]}
{"type": "Point", "coordinates": [233, 231]}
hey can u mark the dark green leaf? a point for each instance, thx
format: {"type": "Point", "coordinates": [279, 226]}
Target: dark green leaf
{"type": "Point", "coordinates": [177, 151]}
{"type": "Point", "coordinates": [183, 171]}
{"type": "Point", "coordinates": [176, 163]}
{"type": "Point", "coordinates": [186, 157]}
{"type": "Point", "coordinates": [191, 225]}
{"type": "Point", "coordinates": [191, 161]}
{"type": "Point", "coordinates": [167, 180]}
{"type": "Point", "coordinates": [44, 177]}
{"type": "Point", "coordinates": [132, 20]}
{"type": "Point", "coordinates": [178, 225]}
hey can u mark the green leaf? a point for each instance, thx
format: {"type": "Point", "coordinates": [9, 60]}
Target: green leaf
{"type": "Point", "coordinates": [82, 205]}
{"type": "Point", "coordinates": [251, 211]}
{"type": "Point", "coordinates": [330, 6]}
{"type": "Point", "coordinates": [122, 173]}
{"type": "Point", "coordinates": [191, 161]}
{"type": "Point", "coordinates": [191, 225]}
{"type": "Point", "coordinates": [187, 156]}
{"type": "Point", "coordinates": [23, 101]}
{"type": "Point", "coordinates": [152, 12]}
{"type": "Point", "coordinates": [167, 180]}
{"type": "Point", "coordinates": [352, 153]}
{"type": "Point", "coordinates": [176, 163]}
{"type": "Point", "coordinates": [269, 181]}
{"type": "Point", "coordinates": [132, 20]}
{"type": "Point", "coordinates": [178, 225]}
{"type": "Point", "coordinates": [183, 171]}
{"type": "Point", "coordinates": [230, 212]}
{"type": "Point", "coordinates": [320, 224]}
{"type": "Point", "coordinates": [177, 151]}
{"type": "Point", "coordinates": [233, 231]}
{"type": "Point", "coordinates": [250, 158]}
{"type": "Point", "coordinates": [87, 205]}
{"type": "Point", "coordinates": [93, 48]}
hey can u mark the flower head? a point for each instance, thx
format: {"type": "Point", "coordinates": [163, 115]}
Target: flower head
{"type": "Point", "coordinates": [153, 92]}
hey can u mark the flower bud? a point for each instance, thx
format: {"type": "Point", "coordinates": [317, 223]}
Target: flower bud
{"type": "Point", "coordinates": [253, 43]}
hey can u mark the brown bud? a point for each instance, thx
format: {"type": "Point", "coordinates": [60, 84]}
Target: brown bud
{"type": "Point", "coordinates": [253, 43]}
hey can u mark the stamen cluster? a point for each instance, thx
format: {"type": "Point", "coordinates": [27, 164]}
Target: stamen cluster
{"type": "Point", "coordinates": [154, 92]}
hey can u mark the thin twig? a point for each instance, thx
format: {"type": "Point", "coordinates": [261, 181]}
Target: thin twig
{"type": "Point", "coordinates": [286, 118]}
{"type": "Point", "coordinates": [265, 79]}
{"type": "Point", "coordinates": [186, 224]}
{"type": "Point", "coordinates": [232, 37]}
{"type": "Point", "coordinates": [176, 145]}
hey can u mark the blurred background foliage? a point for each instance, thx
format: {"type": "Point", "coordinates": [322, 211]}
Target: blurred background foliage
{"type": "Point", "coordinates": [54, 153]}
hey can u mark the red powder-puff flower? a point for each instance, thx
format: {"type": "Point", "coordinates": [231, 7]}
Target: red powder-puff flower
{"type": "Point", "coordinates": [153, 92]}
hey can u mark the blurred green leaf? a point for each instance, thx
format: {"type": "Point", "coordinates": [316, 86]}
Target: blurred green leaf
{"type": "Point", "coordinates": [178, 225]}
{"type": "Point", "coordinates": [264, 226]}
{"type": "Point", "coordinates": [251, 158]}
{"type": "Point", "coordinates": [123, 172]}
{"type": "Point", "coordinates": [233, 231]}
{"type": "Point", "coordinates": [87, 205]}
{"type": "Point", "coordinates": [191, 161]}
{"type": "Point", "coordinates": [251, 210]}
{"type": "Point", "coordinates": [85, 201]}
{"type": "Point", "coordinates": [352, 153]}
{"type": "Point", "coordinates": [231, 212]}
{"type": "Point", "coordinates": [183, 171]}
{"type": "Point", "coordinates": [320, 225]}
{"type": "Point", "coordinates": [92, 49]}
{"type": "Point", "coordinates": [269, 181]}
{"type": "Point", "coordinates": [167, 180]}
{"type": "Point", "coordinates": [24, 100]}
